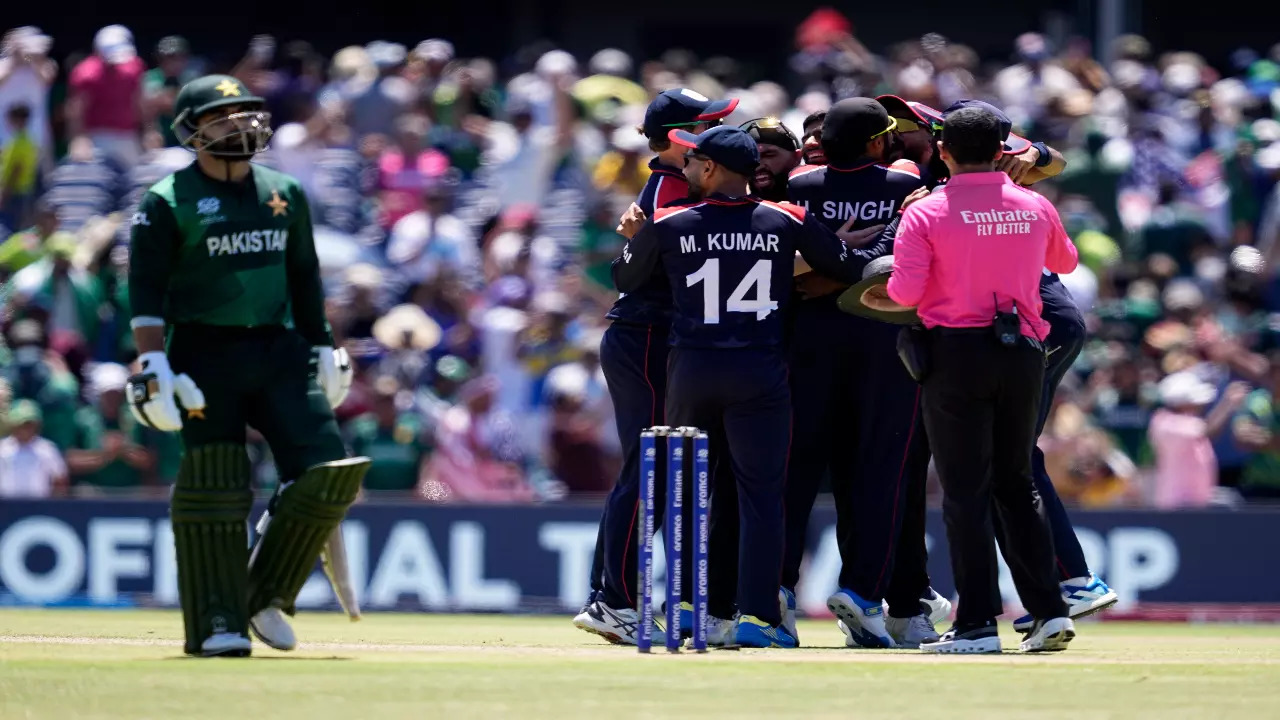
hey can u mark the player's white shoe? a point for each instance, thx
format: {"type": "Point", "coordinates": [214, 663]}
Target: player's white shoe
{"type": "Point", "coordinates": [787, 606]}
{"type": "Point", "coordinates": [1084, 596]}
{"type": "Point", "coordinates": [1049, 635]}
{"type": "Point", "coordinates": [975, 640]}
{"type": "Point", "coordinates": [910, 632]}
{"type": "Point", "coordinates": [721, 631]}
{"type": "Point", "coordinates": [861, 620]}
{"type": "Point", "coordinates": [272, 627]}
{"type": "Point", "coordinates": [618, 626]}
{"type": "Point", "coordinates": [226, 644]}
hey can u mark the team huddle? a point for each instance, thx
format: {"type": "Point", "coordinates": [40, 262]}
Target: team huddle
{"type": "Point", "coordinates": [731, 318]}
{"type": "Point", "coordinates": [744, 250]}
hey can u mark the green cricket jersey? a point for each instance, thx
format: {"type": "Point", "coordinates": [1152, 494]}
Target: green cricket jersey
{"type": "Point", "coordinates": [237, 254]}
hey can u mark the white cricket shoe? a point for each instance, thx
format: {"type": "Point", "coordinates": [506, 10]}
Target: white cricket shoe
{"type": "Point", "coordinates": [1050, 635]}
{"type": "Point", "coordinates": [910, 632]}
{"type": "Point", "coordinates": [861, 620]}
{"type": "Point", "coordinates": [1084, 596]}
{"type": "Point", "coordinates": [975, 640]}
{"type": "Point", "coordinates": [272, 627]}
{"type": "Point", "coordinates": [721, 631]}
{"type": "Point", "coordinates": [620, 627]}
{"type": "Point", "coordinates": [226, 644]}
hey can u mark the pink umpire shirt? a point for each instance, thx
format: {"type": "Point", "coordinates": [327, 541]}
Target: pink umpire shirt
{"type": "Point", "coordinates": [979, 240]}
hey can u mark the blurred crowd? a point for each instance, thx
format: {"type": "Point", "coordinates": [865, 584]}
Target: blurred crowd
{"type": "Point", "coordinates": [465, 212]}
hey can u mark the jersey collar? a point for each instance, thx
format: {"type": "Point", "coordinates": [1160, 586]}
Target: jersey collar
{"type": "Point", "coordinates": [656, 165]}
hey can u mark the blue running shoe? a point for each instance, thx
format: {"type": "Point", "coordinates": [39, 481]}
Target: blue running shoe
{"type": "Point", "coordinates": [861, 620]}
{"type": "Point", "coordinates": [787, 606]}
{"type": "Point", "coordinates": [756, 633]}
{"type": "Point", "coordinates": [686, 619]}
{"type": "Point", "coordinates": [1084, 596]}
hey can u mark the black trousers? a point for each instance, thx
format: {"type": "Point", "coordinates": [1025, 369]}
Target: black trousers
{"type": "Point", "coordinates": [980, 405]}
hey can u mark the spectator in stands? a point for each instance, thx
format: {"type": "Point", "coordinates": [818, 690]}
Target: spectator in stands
{"type": "Point", "coordinates": [430, 241]}
{"type": "Point", "coordinates": [30, 465]}
{"type": "Point", "coordinates": [26, 73]}
{"type": "Point", "coordinates": [1257, 427]}
{"type": "Point", "coordinates": [109, 452]}
{"type": "Point", "coordinates": [478, 456]}
{"type": "Point", "coordinates": [40, 374]}
{"type": "Point", "coordinates": [19, 162]}
{"type": "Point", "coordinates": [375, 107]}
{"type": "Point", "coordinates": [86, 183]}
{"type": "Point", "coordinates": [27, 246]}
{"type": "Point", "coordinates": [393, 438]}
{"type": "Point", "coordinates": [407, 168]}
{"type": "Point", "coordinates": [104, 103]}
{"type": "Point", "coordinates": [71, 295]}
{"type": "Point", "coordinates": [1186, 467]}
{"type": "Point", "coordinates": [160, 87]}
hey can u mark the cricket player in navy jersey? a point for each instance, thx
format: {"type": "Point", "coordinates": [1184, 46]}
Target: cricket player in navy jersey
{"type": "Point", "coordinates": [633, 356]}
{"type": "Point", "coordinates": [728, 259]}
{"type": "Point", "coordinates": [856, 408]}
{"type": "Point", "coordinates": [1084, 592]}
{"type": "Point", "coordinates": [779, 154]}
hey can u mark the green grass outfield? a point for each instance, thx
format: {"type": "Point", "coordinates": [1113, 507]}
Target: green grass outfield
{"type": "Point", "coordinates": [128, 664]}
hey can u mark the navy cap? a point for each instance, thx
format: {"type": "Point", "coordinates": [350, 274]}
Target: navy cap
{"type": "Point", "coordinates": [899, 108]}
{"type": "Point", "coordinates": [682, 106]}
{"type": "Point", "coordinates": [1013, 144]}
{"type": "Point", "coordinates": [726, 145]}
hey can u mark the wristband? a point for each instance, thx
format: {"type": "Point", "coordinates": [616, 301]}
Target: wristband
{"type": "Point", "coordinates": [1045, 157]}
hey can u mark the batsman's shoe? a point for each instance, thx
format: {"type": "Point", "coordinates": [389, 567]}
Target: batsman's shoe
{"type": "Point", "coordinates": [721, 631]}
{"type": "Point", "coordinates": [272, 627]}
{"type": "Point", "coordinates": [910, 632]}
{"type": "Point", "coordinates": [753, 632]}
{"type": "Point", "coordinates": [686, 619]}
{"type": "Point", "coordinates": [787, 606]}
{"type": "Point", "coordinates": [591, 597]}
{"type": "Point", "coordinates": [861, 620]}
{"type": "Point", "coordinates": [1084, 596]}
{"type": "Point", "coordinates": [965, 640]}
{"type": "Point", "coordinates": [620, 627]}
{"type": "Point", "coordinates": [226, 644]}
{"type": "Point", "coordinates": [1050, 635]}
{"type": "Point", "coordinates": [937, 607]}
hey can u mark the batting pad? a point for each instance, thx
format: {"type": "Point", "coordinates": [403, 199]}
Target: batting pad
{"type": "Point", "coordinates": [306, 512]}
{"type": "Point", "coordinates": [210, 506]}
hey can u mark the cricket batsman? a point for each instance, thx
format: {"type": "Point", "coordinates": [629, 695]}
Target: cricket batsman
{"type": "Point", "coordinates": [229, 323]}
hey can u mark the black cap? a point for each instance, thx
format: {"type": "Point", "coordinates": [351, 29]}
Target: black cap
{"type": "Point", "coordinates": [1013, 144]}
{"type": "Point", "coordinates": [726, 145]}
{"type": "Point", "coordinates": [771, 131]}
{"type": "Point", "coordinates": [855, 120]}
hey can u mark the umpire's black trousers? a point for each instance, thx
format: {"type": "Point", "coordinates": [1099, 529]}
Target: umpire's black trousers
{"type": "Point", "coordinates": [980, 404]}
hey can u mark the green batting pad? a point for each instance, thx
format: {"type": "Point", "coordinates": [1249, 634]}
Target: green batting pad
{"type": "Point", "coordinates": [307, 510]}
{"type": "Point", "coordinates": [210, 506]}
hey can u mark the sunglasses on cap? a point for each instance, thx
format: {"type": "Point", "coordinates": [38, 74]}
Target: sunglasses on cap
{"type": "Point", "coordinates": [692, 155]}
{"type": "Point", "coordinates": [709, 123]}
{"type": "Point", "coordinates": [906, 126]}
{"type": "Point", "coordinates": [771, 131]}
{"type": "Point", "coordinates": [893, 125]}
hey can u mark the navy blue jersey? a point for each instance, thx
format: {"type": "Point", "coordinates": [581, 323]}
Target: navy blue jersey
{"type": "Point", "coordinates": [869, 194]}
{"type": "Point", "coordinates": [729, 263]}
{"type": "Point", "coordinates": [650, 303]}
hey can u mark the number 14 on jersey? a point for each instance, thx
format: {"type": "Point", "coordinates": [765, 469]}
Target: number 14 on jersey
{"type": "Point", "coordinates": [759, 277]}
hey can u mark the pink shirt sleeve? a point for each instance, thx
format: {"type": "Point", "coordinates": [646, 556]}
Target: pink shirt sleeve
{"type": "Point", "coordinates": [912, 256]}
{"type": "Point", "coordinates": [1060, 255]}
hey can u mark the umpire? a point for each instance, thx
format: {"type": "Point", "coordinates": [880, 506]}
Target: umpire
{"type": "Point", "coordinates": [969, 258]}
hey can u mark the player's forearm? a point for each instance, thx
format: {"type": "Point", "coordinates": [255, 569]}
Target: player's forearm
{"type": "Point", "coordinates": [1057, 164]}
